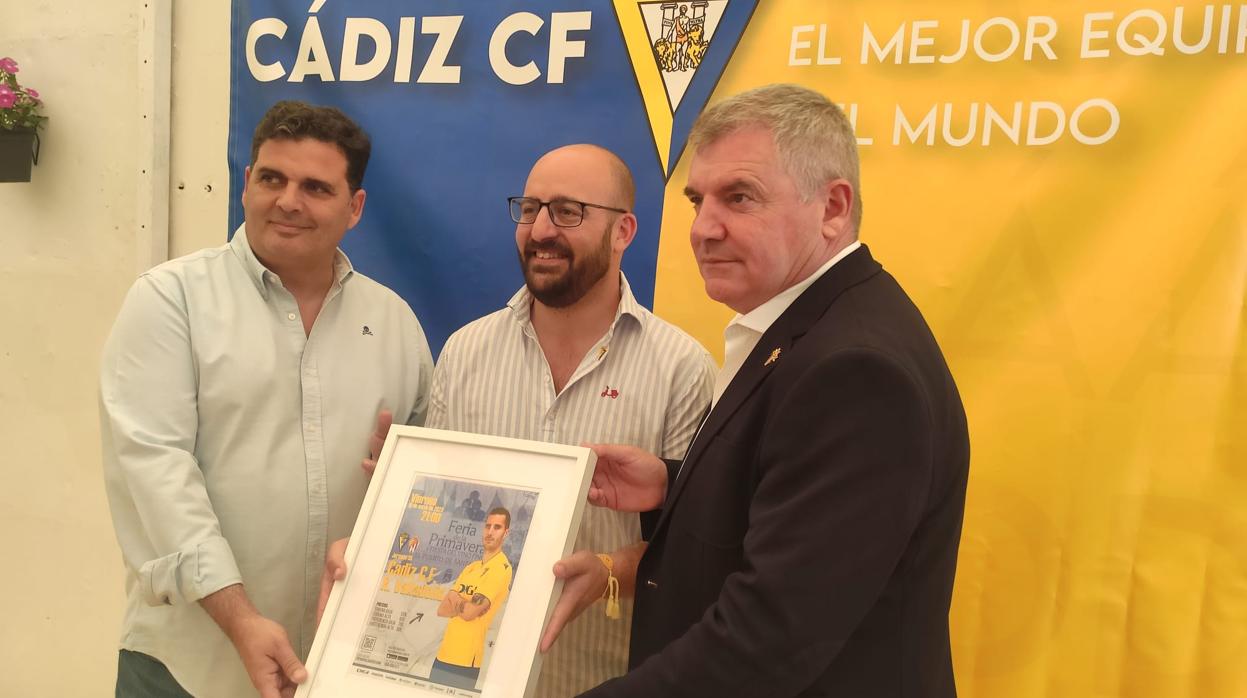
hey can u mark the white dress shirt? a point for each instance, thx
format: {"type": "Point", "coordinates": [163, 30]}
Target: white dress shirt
{"type": "Point", "coordinates": [232, 443]}
{"type": "Point", "coordinates": [744, 331]}
{"type": "Point", "coordinates": [644, 383]}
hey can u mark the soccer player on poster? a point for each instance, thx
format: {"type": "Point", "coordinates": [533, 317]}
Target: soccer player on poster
{"type": "Point", "coordinates": [471, 604]}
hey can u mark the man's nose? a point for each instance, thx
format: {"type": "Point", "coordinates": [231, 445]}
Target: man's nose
{"type": "Point", "coordinates": [290, 199]}
{"type": "Point", "coordinates": [543, 227]}
{"type": "Point", "coordinates": [707, 225]}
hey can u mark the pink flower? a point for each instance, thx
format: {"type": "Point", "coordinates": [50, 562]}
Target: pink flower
{"type": "Point", "coordinates": [7, 98]}
{"type": "Point", "coordinates": [8, 65]}
{"type": "Point", "coordinates": [33, 94]}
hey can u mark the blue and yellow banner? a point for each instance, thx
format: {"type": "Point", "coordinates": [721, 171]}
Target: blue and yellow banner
{"type": "Point", "coordinates": [461, 99]}
{"type": "Point", "coordinates": [1059, 186]}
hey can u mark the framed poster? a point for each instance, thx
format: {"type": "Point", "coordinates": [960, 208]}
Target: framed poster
{"type": "Point", "coordinates": [449, 569]}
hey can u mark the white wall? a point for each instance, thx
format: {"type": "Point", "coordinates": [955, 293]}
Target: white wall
{"type": "Point", "coordinates": [199, 172]}
{"type": "Point", "coordinates": [67, 255]}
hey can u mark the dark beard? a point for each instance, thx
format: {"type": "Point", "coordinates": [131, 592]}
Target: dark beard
{"type": "Point", "coordinates": [581, 275]}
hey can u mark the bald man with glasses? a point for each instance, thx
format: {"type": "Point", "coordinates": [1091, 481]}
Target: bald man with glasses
{"type": "Point", "coordinates": [574, 358]}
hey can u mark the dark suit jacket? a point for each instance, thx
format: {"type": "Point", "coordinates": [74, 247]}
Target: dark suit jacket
{"type": "Point", "coordinates": [808, 545]}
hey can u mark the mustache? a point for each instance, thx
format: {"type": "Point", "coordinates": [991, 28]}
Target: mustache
{"type": "Point", "coordinates": [531, 247]}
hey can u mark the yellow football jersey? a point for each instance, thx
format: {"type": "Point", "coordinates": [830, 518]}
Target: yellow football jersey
{"type": "Point", "coordinates": [464, 641]}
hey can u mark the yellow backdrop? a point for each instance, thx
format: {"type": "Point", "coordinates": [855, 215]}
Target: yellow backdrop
{"type": "Point", "coordinates": [1089, 298]}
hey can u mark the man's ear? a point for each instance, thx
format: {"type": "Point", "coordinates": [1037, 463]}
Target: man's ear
{"type": "Point", "coordinates": [246, 179]}
{"type": "Point", "coordinates": [838, 201]}
{"type": "Point", "coordinates": [357, 207]}
{"type": "Point", "coordinates": [623, 232]}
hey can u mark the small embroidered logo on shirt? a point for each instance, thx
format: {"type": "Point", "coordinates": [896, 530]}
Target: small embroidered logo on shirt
{"type": "Point", "coordinates": [773, 357]}
{"type": "Point", "coordinates": [610, 392]}
{"type": "Point", "coordinates": [367, 331]}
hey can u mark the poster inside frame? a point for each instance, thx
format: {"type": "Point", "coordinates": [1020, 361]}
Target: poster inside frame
{"type": "Point", "coordinates": [449, 582]}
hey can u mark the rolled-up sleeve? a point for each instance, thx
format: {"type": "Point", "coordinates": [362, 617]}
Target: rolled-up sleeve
{"type": "Point", "coordinates": [169, 534]}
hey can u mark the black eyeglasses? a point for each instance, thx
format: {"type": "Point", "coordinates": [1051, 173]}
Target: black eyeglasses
{"type": "Point", "coordinates": [564, 213]}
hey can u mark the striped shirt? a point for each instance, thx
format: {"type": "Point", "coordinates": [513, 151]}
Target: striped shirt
{"type": "Point", "coordinates": [644, 383]}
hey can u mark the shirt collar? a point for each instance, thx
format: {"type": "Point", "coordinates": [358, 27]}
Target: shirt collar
{"type": "Point", "coordinates": [259, 274]}
{"type": "Point", "coordinates": [521, 304]}
{"type": "Point", "coordinates": [762, 317]}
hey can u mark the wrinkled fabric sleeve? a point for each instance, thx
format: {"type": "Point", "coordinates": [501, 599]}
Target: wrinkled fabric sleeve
{"type": "Point", "coordinates": [692, 388]}
{"type": "Point", "coordinates": [169, 534]}
{"type": "Point", "coordinates": [437, 417]}
{"type": "Point", "coordinates": [418, 346]}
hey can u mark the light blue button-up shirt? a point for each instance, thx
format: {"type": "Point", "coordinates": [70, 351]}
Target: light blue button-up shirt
{"type": "Point", "coordinates": [232, 444]}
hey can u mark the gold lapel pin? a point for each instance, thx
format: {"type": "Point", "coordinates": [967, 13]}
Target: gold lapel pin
{"type": "Point", "coordinates": [773, 357]}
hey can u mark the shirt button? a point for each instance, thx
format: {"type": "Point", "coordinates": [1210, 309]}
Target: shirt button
{"type": "Point", "coordinates": [290, 316]}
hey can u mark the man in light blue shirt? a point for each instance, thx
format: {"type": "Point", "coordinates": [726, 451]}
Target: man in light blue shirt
{"type": "Point", "coordinates": [238, 388]}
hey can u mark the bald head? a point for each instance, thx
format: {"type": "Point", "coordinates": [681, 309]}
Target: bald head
{"type": "Point", "coordinates": [564, 263]}
{"type": "Point", "coordinates": [595, 170]}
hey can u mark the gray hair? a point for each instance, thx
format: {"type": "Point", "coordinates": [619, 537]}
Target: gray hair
{"type": "Point", "coordinates": [813, 138]}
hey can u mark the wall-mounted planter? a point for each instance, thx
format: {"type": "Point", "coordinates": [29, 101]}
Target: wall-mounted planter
{"type": "Point", "coordinates": [19, 149]}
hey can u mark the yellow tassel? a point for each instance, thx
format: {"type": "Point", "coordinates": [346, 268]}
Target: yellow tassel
{"type": "Point", "coordinates": [612, 598]}
{"type": "Point", "coordinates": [612, 588]}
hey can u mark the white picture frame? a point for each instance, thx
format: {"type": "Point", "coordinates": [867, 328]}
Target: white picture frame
{"type": "Point", "coordinates": [381, 627]}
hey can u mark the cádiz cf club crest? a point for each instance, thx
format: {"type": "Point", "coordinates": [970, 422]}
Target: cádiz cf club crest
{"type": "Point", "coordinates": [680, 33]}
{"type": "Point", "coordinates": [677, 60]}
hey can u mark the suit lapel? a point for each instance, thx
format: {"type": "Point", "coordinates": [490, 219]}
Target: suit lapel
{"type": "Point", "coordinates": [768, 353]}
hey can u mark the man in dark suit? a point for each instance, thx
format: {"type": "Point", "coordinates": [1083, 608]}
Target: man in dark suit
{"type": "Point", "coordinates": [806, 545]}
